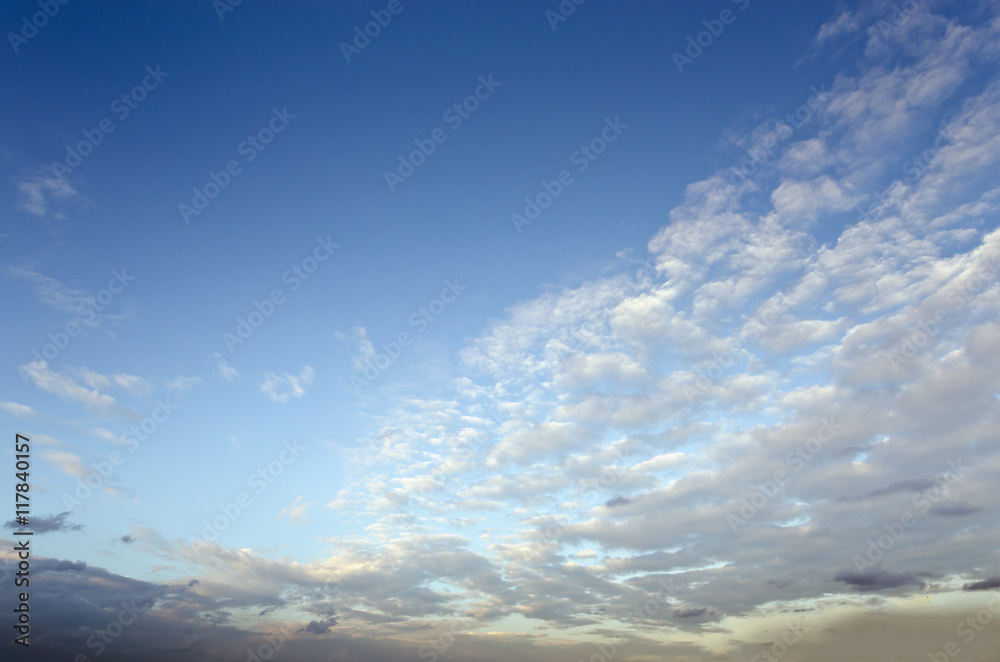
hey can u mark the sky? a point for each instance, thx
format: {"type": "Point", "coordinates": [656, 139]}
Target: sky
{"type": "Point", "coordinates": [484, 331]}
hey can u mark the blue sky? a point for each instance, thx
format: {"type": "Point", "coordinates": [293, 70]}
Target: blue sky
{"type": "Point", "coordinates": [785, 233]}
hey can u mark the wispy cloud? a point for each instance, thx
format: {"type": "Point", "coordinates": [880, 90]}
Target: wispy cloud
{"type": "Point", "coordinates": [19, 410]}
{"type": "Point", "coordinates": [37, 194]}
{"type": "Point", "coordinates": [282, 389]}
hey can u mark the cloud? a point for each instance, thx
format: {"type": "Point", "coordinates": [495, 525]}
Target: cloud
{"type": "Point", "coordinates": [984, 585]}
{"type": "Point", "coordinates": [67, 462]}
{"type": "Point", "coordinates": [21, 411]}
{"type": "Point", "coordinates": [877, 579]}
{"type": "Point", "coordinates": [282, 389]}
{"type": "Point", "coordinates": [47, 524]}
{"type": "Point", "coordinates": [296, 512]}
{"type": "Point", "coordinates": [181, 383]}
{"type": "Point", "coordinates": [227, 372]}
{"type": "Point", "coordinates": [37, 194]}
{"type": "Point", "coordinates": [66, 387]}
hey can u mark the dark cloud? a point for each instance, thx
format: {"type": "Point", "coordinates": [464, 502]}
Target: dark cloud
{"type": "Point", "coordinates": [955, 509]}
{"type": "Point", "coordinates": [46, 524]}
{"type": "Point", "coordinates": [618, 501]}
{"type": "Point", "coordinates": [319, 627]}
{"type": "Point", "coordinates": [128, 540]}
{"type": "Point", "coordinates": [984, 585]}
{"type": "Point", "coordinates": [690, 613]}
{"type": "Point", "coordinates": [907, 485]}
{"type": "Point", "coordinates": [875, 580]}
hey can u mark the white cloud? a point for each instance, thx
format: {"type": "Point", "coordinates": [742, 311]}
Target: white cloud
{"type": "Point", "coordinates": [37, 194]}
{"type": "Point", "coordinates": [66, 462]}
{"type": "Point", "coordinates": [65, 386]}
{"type": "Point", "coordinates": [296, 512]}
{"type": "Point", "coordinates": [227, 372]}
{"type": "Point", "coordinates": [282, 389]}
{"type": "Point", "coordinates": [19, 410]}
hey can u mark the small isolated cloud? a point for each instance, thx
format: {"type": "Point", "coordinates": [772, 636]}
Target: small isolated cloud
{"type": "Point", "coordinates": [36, 195]}
{"type": "Point", "coordinates": [319, 627]}
{"type": "Point", "coordinates": [228, 372]}
{"type": "Point", "coordinates": [106, 435]}
{"type": "Point", "coordinates": [297, 511]}
{"type": "Point", "coordinates": [22, 411]}
{"type": "Point", "coordinates": [66, 462]}
{"type": "Point", "coordinates": [128, 540]}
{"type": "Point", "coordinates": [690, 613]}
{"type": "Point", "coordinates": [282, 389]}
{"type": "Point", "coordinates": [877, 579]}
{"type": "Point", "coordinates": [183, 383]}
{"type": "Point", "coordinates": [47, 524]}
